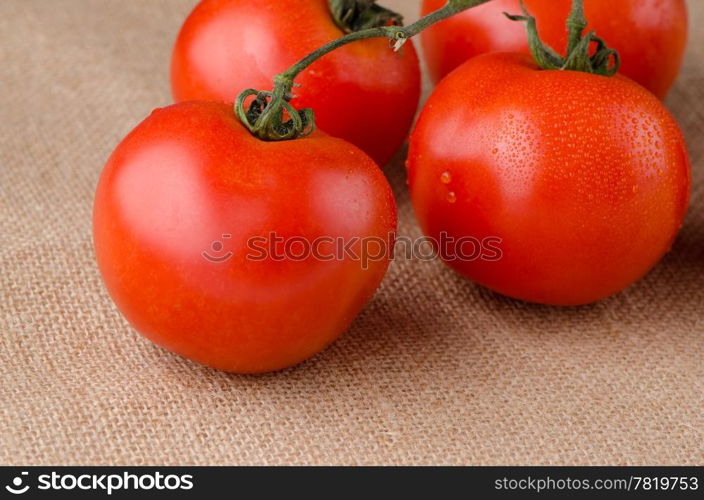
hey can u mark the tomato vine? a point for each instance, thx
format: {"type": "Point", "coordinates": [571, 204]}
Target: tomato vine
{"type": "Point", "coordinates": [266, 115]}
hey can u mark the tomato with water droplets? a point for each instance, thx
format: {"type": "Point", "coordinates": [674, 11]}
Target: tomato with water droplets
{"type": "Point", "coordinates": [585, 179]}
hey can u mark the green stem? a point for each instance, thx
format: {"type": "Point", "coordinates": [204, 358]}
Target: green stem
{"type": "Point", "coordinates": [397, 34]}
{"type": "Point", "coordinates": [576, 25]}
{"type": "Point", "coordinates": [605, 61]}
{"type": "Point", "coordinates": [265, 116]}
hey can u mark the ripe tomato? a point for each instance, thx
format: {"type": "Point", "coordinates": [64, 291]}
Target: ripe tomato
{"type": "Point", "coordinates": [179, 208]}
{"type": "Point", "coordinates": [364, 93]}
{"type": "Point", "coordinates": [650, 35]}
{"type": "Point", "coordinates": [585, 179]}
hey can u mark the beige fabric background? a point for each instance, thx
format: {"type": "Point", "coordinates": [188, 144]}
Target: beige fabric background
{"type": "Point", "coordinates": [434, 371]}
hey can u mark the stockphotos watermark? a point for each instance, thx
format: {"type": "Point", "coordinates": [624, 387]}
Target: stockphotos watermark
{"type": "Point", "coordinates": [364, 250]}
{"type": "Point", "coordinates": [105, 483]}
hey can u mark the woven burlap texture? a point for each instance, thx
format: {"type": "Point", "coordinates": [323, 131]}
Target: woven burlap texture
{"type": "Point", "coordinates": [435, 370]}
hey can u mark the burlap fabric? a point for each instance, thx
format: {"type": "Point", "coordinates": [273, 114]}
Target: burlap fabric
{"type": "Point", "coordinates": [435, 371]}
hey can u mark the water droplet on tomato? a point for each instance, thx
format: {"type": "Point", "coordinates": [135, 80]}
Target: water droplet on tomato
{"type": "Point", "coordinates": [451, 197]}
{"type": "Point", "coordinates": [446, 178]}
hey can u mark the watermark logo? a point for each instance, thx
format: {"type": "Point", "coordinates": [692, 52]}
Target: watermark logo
{"type": "Point", "coordinates": [364, 250]}
{"type": "Point", "coordinates": [106, 483]}
{"type": "Point", "coordinates": [217, 253]}
{"type": "Point", "coordinates": [16, 487]}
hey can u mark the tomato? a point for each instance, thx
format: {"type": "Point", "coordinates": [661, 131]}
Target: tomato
{"type": "Point", "coordinates": [650, 35]}
{"type": "Point", "coordinates": [182, 212]}
{"type": "Point", "coordinates": [584, 180]}
{"type": "Point", "coordinates": [364, 93]}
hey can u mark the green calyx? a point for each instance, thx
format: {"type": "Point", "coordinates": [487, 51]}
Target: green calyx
{"type": "Point", "coordinates": [270, 116]}
{"type": "Point", "coordinates": [357, 15]}
{"type": "Point", "coordinates": [604, 61]}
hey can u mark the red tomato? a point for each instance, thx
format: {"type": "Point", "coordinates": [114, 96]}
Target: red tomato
{"type": "Point", "coordinates": [364, 93]}
{"type": "Point", "coordinates": [178, 210]}
{"type": "Point", "coordinates": [650, 35]}
{"type": "Point", "coordinates": [584, 179]}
